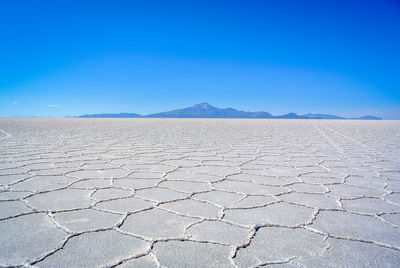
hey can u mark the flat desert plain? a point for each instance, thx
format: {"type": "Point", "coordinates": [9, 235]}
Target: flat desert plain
{"type": "Point", "coordinates": [199, 193]}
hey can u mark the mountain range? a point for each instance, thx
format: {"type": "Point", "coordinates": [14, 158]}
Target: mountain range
{"type": "Point", "coordinates": [205, 110]}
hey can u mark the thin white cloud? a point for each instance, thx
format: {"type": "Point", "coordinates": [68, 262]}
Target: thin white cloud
{"type": "Point", "coordinates": [14, 102]}
{"type": "Point", "coordinates": [53, 105]}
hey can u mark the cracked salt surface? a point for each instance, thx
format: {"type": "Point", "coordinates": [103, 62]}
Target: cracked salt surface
{"type": "Point", "coordinates": [199, 193]}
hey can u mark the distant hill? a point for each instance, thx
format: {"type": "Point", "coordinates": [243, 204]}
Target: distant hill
{"type": "Point", "coordinates": [120, 115]}
{"type": "Point", "coordinates": [368, 117]}
{"type": "Point", "coordinates": [24, 116]}
{"type": "Point", "coordinates": [322, 116]}
{"type": "Point", "coordinates": [205, 110]}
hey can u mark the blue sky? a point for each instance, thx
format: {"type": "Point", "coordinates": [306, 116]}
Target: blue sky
{"type": "Point", "coordinates": [62, 58]}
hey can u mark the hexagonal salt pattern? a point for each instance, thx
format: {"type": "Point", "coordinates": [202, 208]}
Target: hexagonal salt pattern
{"type": "Point", "coordinates": [199, 193]}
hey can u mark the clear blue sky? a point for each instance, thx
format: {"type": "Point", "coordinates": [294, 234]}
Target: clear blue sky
{"type": "Point", "coordinates": [62, 58]}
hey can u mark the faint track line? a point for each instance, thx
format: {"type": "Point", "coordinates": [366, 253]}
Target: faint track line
{"type": "Point", "coordinates": [328, 139]}
{"type": "Point", "coordinates": [355, 141]}
{"type": "Point", "coordinates": [7, 135]}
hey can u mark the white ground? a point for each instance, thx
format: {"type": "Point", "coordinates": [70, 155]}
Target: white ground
{"type": "Point", "coordinates": [199, 193]}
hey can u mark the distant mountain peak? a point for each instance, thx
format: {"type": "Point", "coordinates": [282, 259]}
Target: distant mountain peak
{"type": "Point", "coordinates": [291, 116]}
{"type": "Point", "coordinates": [203, 106]}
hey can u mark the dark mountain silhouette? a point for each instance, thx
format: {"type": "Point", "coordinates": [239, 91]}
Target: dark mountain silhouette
{"type": "Point", "coordinates": [205, 110]}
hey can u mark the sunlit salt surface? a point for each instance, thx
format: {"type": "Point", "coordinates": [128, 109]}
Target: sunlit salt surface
{"type": "Point", "coordinates": [199, 193]}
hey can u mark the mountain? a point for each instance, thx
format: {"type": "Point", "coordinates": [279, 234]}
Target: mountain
{"type": "Point", "coordinates": [291, 116]}
{"type": "Point", "coordinates": [120, 115]}
{"type": "Point", "coordinates": [323, 116]}
{"type": "Point", "coordinates": [205, 110]}
{"type": "Point", "coordinates": [368, 117]}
